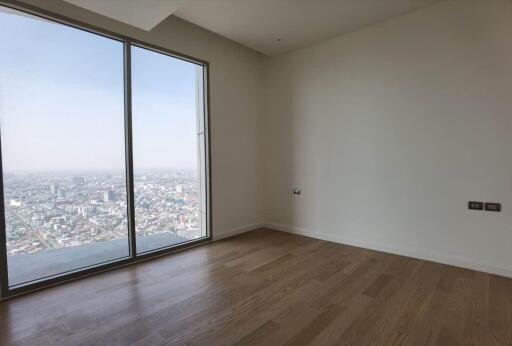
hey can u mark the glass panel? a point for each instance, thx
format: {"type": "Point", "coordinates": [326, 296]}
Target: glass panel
{"type": "Point", "coordinates": [62, 128]}
{"type": "Point", "coordinates": [166, 150]}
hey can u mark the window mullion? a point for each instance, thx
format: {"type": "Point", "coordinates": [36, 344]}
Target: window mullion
{"type": "Point", "coordinates": [129, 147]}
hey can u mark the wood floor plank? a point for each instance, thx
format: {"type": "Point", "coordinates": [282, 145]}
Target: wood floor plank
{"type": "Point", "coordinates": [477, 318]}
{"type": "Point", "coordinates": [315, 327]}
{"type": "Point", "coordinates": [383, 303]}
{"type": "Point", "coordinates": [396, 327]}
{"type": "Point", "coordinates": [268, 288]}
{"type": "Point", "coordinates": [380, 282]}
{"type": "Point", "coordinates": [259, 334]}
{"type": "Point", "coordinates": [500, 311]}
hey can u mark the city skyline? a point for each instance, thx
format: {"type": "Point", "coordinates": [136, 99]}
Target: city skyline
{"type": "Point", "coordinates": [48, 211]}
{"type": "Point", "coordinates": [60, 222]}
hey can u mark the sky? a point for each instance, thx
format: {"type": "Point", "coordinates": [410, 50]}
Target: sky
{"type": "Point", "coordinates": [62, 102]}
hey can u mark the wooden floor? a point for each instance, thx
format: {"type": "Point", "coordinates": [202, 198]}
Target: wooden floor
{"type": "Point", "coordinates": [268, 288]}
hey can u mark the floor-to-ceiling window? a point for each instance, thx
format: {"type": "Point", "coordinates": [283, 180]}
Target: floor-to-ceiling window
{"type": "Point", "coordinates": [103, 148]}
{"type": "Point", "coordinates": [63, 152]}
{"type": "Point", "coordinates": [166, 138]}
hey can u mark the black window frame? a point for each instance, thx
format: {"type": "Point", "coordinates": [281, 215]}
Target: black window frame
{"type": "Point", "coordinates": [7, 291]}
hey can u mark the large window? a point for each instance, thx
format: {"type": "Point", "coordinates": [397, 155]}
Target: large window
{"type": "Point", "coordinates": [62, 132]}
{"type": "Point", "coordinates": [103, 149]}
{"type": "Point", "coordinates": [166, 135]}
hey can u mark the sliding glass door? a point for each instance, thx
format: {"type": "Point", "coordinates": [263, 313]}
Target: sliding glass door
{"type": "Point", "coordinates": [103, 151]}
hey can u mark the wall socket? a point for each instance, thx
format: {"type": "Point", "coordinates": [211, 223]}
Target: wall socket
{"type": "Point", "coordinates": [496, 207]}
{"type": "Point", "coordinates": [473, 205]}
{"type": "Point", "coordinates": [296, 191]}
{"type": "Point", "coordinates": [487, 206]}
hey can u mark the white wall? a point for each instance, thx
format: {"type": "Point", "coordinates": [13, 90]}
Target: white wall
{"type": "Point", "coordinates": [389, 131]}
{"type": "Point", "coordinates": [235, 95]}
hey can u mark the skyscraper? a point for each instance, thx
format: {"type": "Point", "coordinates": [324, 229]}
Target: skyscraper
{"type": "Point", "coordinates": [54, 188]}
{"type": "Point", "coordinates": [108, 195]}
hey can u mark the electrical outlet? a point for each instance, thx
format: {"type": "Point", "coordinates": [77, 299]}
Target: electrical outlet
{"type": "Point", "coordinates": [496, 207]}
{"type": "Point", "coordinates": [473, 205]}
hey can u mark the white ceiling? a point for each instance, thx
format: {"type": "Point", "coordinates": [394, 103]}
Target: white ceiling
{"type": "Point", "coordinates": [269, 26]}
{"type": "Point", "coordinates": [144, 14]}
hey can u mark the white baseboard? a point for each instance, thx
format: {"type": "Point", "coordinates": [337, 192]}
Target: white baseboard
{"type": "Point", "coordinates": [453, 261]}
{"type": "Point", "coordinates": [237, 230]}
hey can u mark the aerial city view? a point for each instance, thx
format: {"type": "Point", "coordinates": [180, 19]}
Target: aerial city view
{"type": "Point", "coordinates": [64, 144]}
{"type": "Point", "coordinates": [49, 211]}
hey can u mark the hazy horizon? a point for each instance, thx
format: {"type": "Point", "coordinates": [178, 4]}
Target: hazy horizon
{"type": "Point", "coordinates": [101, 170]}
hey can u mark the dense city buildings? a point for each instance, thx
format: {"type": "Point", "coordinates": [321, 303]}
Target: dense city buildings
{"type": "Point", "coordinates": [49, 211]}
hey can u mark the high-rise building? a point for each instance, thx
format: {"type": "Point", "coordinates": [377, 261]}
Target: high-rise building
{"type": "Point", "coordinates": [61, 193]}
{"type": "Point", "coordinates": [108, 195]}
{"type": "Point", "coordinates": [54, 188]}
